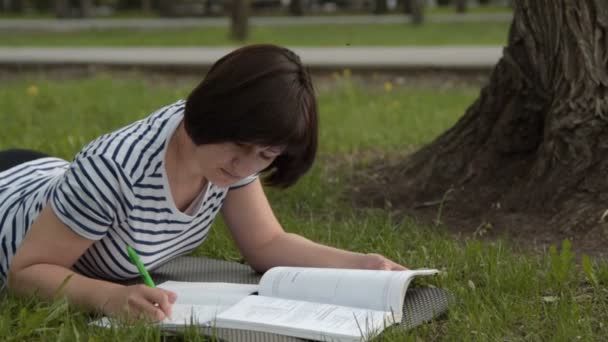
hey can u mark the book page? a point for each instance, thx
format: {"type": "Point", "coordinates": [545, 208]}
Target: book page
{"type": "Point", "coordinates": [200, 302]}
{"type": "Point", "coordinates": [197, 302]}
{"type": "Point", "coordinates": [304, 319]}
{"type": "Point", "coordinates": [370, 289]}
{"type": "Point", "coordinates": [186, 314]}
{"type": "Point", "coordinates": [208, 293]}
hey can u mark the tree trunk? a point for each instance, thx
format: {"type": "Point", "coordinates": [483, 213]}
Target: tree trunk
{"type": "Point", "coordinates": [358, 5]}
{"type": "Point", "coordinates": [17, 6]}
{"type": "Point", "coordinates": [536, 140]}
{"type": "Point", "coordinates": [417, 11]}
{"type": "Point", "coordinates": [146, 6]}
{"type": "Point", "coordinates": [380, 7]}
{"type": "Point", "coordinates": [461, 6]}
{"type": "Point", "coordinates": [85, 8]}
{"type": "Point", "coordinates": [165, 8]}
{"type": "Point", "coordinates": [239, 18]}
{"type": "Point", "coordinates": [62, 8]}
{"type": "Point", "coordinates": [296, 7]}
{"type": "Point", "coordinates": [406, 6]}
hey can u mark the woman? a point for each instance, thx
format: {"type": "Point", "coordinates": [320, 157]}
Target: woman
{"type": "Point", "coordinates": [157, 185]}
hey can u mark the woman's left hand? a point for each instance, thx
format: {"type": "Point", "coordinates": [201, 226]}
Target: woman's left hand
{"type": "Point", "coordinates": [373, 261]}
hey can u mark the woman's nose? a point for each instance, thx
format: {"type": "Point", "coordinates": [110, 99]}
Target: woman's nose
{"type": "Point", "coordinates": [243, 166]}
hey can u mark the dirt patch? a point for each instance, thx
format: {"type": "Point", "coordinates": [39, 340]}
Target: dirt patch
{"type": "Point", "coordinates": [473, 213]}
{"type": "Point", "coordinates": [466, 215]}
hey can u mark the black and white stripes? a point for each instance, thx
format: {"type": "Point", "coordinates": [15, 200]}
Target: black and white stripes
{"type": "Point", "coordinates": [24, 191]}
{"type": "Point", "coordinates": [116, 193]}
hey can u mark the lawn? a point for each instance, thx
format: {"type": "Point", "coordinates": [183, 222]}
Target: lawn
{"type": "Point", "coordinates": [502, 295]}
{"type": "Point", "coordinates": [429, 34]}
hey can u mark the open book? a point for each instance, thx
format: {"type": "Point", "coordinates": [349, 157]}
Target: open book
{"type": "Point", "coordinates": [312, 303]}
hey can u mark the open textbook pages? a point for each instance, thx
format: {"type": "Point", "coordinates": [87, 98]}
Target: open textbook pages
{"type": "Point", "coordinates": [198, 303]}
{"type": "Point", "coordinates": [313, 303]}
{"type": "Point", "coordinates": [314, 321]}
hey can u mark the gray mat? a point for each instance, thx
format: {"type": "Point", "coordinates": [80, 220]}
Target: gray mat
{"type": "Point", "coordinates": [420, 304]}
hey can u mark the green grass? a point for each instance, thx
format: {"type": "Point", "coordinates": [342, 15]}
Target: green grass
{"type": "Point", "coordinates": [490, 33]}
{"type": "Point", "coordinates": [502, 295]}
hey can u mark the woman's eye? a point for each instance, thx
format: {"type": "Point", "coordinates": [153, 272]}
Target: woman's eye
{"type": "Point", "coordinates": [266, 157]}
{"type": "Point", "coordinates": [243, 147]}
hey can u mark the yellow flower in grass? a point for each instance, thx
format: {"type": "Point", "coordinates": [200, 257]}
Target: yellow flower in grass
{"type": "Point", "coordinates": [32, 90]}
{"type": "Point", "coordinates": [388, 86]}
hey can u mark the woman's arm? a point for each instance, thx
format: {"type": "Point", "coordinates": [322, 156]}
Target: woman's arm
{"type": "Point", "coordinates": [42, 265]}
{"type": "Point", "coordinates": [265, 244]}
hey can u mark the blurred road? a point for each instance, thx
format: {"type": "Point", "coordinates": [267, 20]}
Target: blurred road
{"type": "Point", "coordinates": [361, 58]}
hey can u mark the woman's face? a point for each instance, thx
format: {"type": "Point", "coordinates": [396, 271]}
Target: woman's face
{"type": "Point", "coordinates": [227, 163]}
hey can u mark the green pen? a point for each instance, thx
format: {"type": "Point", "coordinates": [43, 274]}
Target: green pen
{"type": "Point", "coordinates": [140, 266]}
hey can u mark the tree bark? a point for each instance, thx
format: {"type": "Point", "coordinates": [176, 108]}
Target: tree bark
{"type": "Point", "coordinates": [417, 11]}
{"type": "Point", "coordinates": [17, 6]}
{"type": "Point", "coordinates": [461, 6]}
{"type": "Point", "coordinates": [380, 7]}
{"type": "Point", "coordinates": [239, 19]}
{"type": "Point", "coordinates": [296, 7]}
{"type": "Point", "coordinates": [62, 8]}
{"type": "Point", "coordinates": [536, 140]}
{"type": "Point", "coordinates": [358, 5]}
{"type": "Point", "coordinates": [85, 8]}
{"type": "Point", "coordinates": [146, 6]}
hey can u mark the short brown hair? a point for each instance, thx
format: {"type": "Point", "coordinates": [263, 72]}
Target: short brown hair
{"type": "Point", "coordinates": [263, 95]}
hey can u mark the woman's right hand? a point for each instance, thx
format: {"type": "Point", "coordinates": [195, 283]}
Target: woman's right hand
{"type": "Point", "coordinates": [43, 264]}
{"type": "Point", "coordinates": [139, 301]}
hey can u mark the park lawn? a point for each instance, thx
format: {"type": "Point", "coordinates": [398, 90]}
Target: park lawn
{"type": "Point", "coordinates": [428, 34]}
{"type": "Point", "coordinates": [501, 295]}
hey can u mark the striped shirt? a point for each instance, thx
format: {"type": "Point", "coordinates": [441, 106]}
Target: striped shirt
{"type": "Point", "coordinates": [116, 193]}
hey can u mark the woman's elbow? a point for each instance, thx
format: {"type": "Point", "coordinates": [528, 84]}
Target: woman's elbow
{"type": "Point", "coordinates": [258, 267]}
{"type": "Point", "coordinates": [16, 278]}
{"type": "Point", "coordinates": [12, 280]}
{"type": "Point", "coordinates": [264, 256]}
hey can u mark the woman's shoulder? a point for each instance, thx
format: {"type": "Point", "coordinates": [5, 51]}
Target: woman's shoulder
{"type": "Point", "coordinates": [143, 136]}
